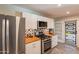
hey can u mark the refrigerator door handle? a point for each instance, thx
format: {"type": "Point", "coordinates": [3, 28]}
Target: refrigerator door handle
{"type": "Point", "coordinates": [7, 35]}
{"type": "Point", "coordinates": [3, 36]}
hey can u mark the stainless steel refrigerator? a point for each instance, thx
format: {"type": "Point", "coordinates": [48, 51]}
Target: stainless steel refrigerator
{"type": "Point", "coordinates": [8, 44]}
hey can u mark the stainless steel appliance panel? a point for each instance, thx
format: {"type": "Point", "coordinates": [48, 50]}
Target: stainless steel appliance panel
{"type": "Point", "coordinates": [21, 33]}
{"type": "Point", "coordinates": [2, 34]}
{"type": "Point", "coordinates": [11, 34]}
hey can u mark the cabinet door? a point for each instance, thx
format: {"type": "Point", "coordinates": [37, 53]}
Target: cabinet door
{"type": "Point", "coordinates": [31, 21]}
{"type": "Point", "coordinates": [33, 48]}
{"type": "Point", "coordinates": [50, 23]}
{"type": "Point", "coordinates": [54, 41]}
{"type": "Point", "coordinates": [37, 47]}
{"type": "Point", "coordinates": [29, 48]}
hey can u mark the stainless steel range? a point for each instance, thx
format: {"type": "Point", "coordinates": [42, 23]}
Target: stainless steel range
{"type": "Point", "coordinates": [46, 45]}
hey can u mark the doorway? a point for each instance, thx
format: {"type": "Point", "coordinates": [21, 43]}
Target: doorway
{"type": "Point", "coordinates": [70, 33]}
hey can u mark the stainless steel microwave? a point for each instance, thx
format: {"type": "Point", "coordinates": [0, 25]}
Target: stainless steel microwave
{"type": "Point", "coordinates": [42, 24]}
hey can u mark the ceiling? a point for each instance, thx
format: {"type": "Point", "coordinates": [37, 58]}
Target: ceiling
{"type": "Point", "coordinates": [53, 10]}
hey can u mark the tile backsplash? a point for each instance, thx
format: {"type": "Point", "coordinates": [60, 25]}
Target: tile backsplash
{"type": "Point", "coordinates": [32, 32]}
{"type": "Point", "coordinates": [29, 32]}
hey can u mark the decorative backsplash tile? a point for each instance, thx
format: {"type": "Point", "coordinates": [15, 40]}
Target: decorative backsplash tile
{"type": "Point", "coordinates": [32, 32]}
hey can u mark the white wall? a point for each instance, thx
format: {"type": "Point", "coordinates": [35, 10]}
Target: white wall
{"type": "Point", "coordinates": [63, 20]}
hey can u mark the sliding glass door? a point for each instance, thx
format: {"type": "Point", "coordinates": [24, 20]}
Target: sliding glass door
{"type": "Point", "coordinates": [70, 33]}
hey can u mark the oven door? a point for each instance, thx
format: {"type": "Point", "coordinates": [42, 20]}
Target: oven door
{"type": "Point", "coordinates": [47, 45]}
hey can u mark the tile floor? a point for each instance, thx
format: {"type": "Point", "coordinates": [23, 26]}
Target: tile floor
{"type": "Point", "coordinates": [64, 49]}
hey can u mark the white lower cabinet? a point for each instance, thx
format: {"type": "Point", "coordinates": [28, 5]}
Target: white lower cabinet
{"type": "Point", "coordinates": [33, 48]}
{"type": "Point", "coordinates": [54, 41]}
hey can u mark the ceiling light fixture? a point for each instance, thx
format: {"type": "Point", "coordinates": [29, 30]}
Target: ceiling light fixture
{"type": "Point", "coordinates": [67, 12]}
{"type": "Point", "coordinates": [59, 5]}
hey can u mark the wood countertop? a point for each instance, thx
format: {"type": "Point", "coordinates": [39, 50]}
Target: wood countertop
{"type": "Point", "coordinates": [28, 40]}
{"type": "Point", "coordinates": [47, 33]}
{"type": "Point", "coordinates": [31, 39]}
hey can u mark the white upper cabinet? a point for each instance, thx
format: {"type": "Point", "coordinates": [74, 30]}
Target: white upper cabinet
{"type": "Point", "coordinates": [50, 23]}
{"type": "Point", "coordinates": [31, 21]}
